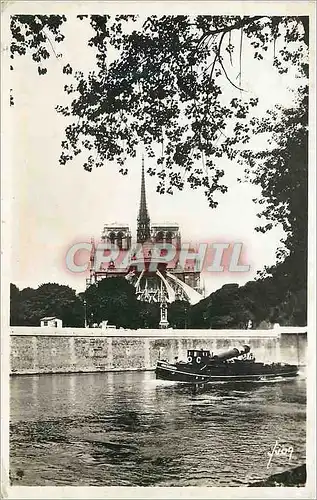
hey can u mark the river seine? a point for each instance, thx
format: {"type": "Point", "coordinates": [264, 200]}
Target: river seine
{"type": "Point", "coordinates": [127, 429]}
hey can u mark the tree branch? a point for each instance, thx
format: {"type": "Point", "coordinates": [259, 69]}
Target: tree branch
{"type": "Point", "coordinates": [49, 41]}
{"type": "Point", "coordinates": [243, 22]}
{"type": "Point", "coordinates": [226, 74]}
{"type": "Point", "coordinates": [240, 57]}
{"type": "Point", "coordinates": [217, 56]}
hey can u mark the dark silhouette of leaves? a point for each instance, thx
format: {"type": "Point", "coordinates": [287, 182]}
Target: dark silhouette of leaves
{"type": "Point", "coordinates": [164, 89]}
{"type": "Point", "coordinates": [29, 305]}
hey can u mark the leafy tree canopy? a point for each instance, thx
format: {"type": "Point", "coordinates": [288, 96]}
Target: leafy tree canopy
{"type": "Point", "coordinates": [178, 314]}
{"type": "Point", "coordinates": [262, 301]}
{"type": "Point", "coordinates": [29, 306]}
{"type": "Point", "coordinates": [162, 82]}
{"type": "Point", "coordinates": [159, 81]}
{"type": "Point", "coordinates": [112, 299]}
{"type": "Point", "coordinates": [281, 170]}
{"type": "Point", "coordinates": [149, 315]}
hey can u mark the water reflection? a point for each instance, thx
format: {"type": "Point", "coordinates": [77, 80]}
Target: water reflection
{"type": "Point", "coordinates": [72, 393]}
{"type": "Point", "coordinates": [110, 383]}
{"type": "Point", "coordinates": [35, 388]}
{"type": "Point", "coordinates": [129, 429]}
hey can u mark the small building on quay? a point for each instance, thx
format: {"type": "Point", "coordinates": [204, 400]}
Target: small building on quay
{"type": "Point", "coordinates": [51, 322]}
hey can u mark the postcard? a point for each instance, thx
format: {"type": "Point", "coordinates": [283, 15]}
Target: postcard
{"type": "Point", "coordinates": [158, 249]}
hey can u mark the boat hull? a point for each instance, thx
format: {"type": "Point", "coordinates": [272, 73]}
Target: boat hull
{"type": "Point", "coordinates": [255, 371]}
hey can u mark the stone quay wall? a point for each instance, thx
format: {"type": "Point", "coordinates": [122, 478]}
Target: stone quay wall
{"type": "Point", "coordinates": [73, 350]}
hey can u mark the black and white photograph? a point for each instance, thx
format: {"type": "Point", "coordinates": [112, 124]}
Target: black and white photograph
{"type": "Point", "coordinates": [158, 325]}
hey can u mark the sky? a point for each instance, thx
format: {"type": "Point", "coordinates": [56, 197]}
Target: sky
{"type": "Point", "coordinates": [54, 206]}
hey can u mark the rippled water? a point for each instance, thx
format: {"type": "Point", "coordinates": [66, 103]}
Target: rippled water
{"type": "Point", "coordinates": [127, 429]}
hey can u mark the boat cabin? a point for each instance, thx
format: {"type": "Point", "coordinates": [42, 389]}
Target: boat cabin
{"type": "Point", "coordinates": [197, 356]}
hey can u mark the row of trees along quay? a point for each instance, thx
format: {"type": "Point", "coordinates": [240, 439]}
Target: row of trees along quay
{"type": "Point", "coordinates": [232, 306]}
{"type": "Point", "coordinates": [168, 84]}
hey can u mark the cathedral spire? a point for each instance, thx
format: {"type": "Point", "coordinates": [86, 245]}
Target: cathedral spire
{"type": "Point", "coordinates": [143, 230]}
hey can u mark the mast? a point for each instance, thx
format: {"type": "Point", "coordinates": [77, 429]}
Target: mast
{"type": "Point", "coordinates": [143, 228]}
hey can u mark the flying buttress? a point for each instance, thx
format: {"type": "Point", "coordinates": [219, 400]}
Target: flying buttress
{"type": "Point", "coordinates": [193, 296]}
{"type": "Point", "coordinates": [170, 291]}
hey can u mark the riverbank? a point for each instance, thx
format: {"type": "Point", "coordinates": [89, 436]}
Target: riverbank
{"type": "Point", "coordinates": [76, 350]}
{"type": "Point", "coordinates": [294, 477]}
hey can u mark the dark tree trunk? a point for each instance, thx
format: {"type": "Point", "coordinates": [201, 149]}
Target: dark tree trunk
{"type": "Point", "coordinates": [305, 21]}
